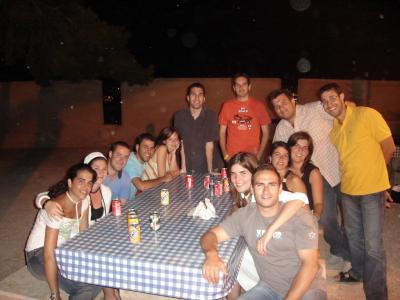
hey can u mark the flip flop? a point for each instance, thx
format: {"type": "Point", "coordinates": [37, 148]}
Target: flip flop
{"type": "Point", "coordinates": [346, 278]}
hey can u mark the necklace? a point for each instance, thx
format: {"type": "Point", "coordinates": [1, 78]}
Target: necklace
{"type": "Point", "coordinates": [70, 198]}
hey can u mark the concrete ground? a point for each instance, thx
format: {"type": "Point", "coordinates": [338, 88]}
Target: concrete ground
{"type": "Point", "coordinates": [24, 173]}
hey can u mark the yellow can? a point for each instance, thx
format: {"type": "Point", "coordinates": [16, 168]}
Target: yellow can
{"type": "Point", "coordinates": [133, 228]}
{"type": "Point", "coordinates": [164, 197]}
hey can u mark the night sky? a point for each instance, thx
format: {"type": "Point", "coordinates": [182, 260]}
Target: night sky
{"type": "Point", "coordinates": [336, 39]}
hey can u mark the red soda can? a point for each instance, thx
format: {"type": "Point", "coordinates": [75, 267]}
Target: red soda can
{"type": "Point", "coordinates": [116, 207]}
{"type": "Point", "coordinates": [189, 182]}
{"type": "Point", "coordinates": [224, 173]}
{"type": "Point", "coordinates": [206, 182]}
{"type": "Point", "coordinates": [218, 188]}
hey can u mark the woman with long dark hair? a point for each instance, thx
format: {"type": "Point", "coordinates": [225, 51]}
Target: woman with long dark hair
{"type": "Point", "coordinates": [301, 149]}
{"type": "Point", "coordinates": [72, 194]}
{"type": "Point", "coordinates": [166, 156]}
{"type": "Point", "coordinates": [280, 159]}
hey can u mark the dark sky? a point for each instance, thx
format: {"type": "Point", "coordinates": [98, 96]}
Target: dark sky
{"type": "Point", "coordinates": [342, 39]}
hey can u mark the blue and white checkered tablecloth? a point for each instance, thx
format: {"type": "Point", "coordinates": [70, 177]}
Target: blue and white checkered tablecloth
{"type": "Point", "coordinates": [167, 262]}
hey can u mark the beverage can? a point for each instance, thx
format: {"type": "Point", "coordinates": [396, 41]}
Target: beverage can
{"type": "Point", "coordinates": [206, 182]}
{"type": "Point", "coordinates": [218, 188]}
{"type": "Point", "coordinates": [164, 197]}
{"type": "Point", "coordinates": [116, 207]}
{"type": "Point", "coordinates": [212, 187]}
{"type": "Point", "coordinates": [226, 185]}
{"type": "Point", "coordinates": [155, 221]}
{"type": "Point", "coordinates": [189, 182]}
{"type": "Point", "coordinates": [224, 173]}
{"type": "Point", "coordinates": [133, 227]}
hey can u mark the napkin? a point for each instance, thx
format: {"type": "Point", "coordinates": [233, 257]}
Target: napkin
{"type": "Point", "coordinates": [204, 210]}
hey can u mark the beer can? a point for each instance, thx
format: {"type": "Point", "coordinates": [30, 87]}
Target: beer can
{"type": "Point", "coordinates": [226, 185]}
{"type": "Point", "coordinates": [206, 182]}
{"type": "Point", "coordinates": [133, 227]}
{"type": "Point", "coordinates": [164, 197]}
{"type": "Point", "coordinates": [116, 207]}
{"type": "Point", "coordinates": [224, 173]}
{"type": "Point", "coordinates": [155, 221]}
{"type": "Point", "coordinates": [189, 182]}
{"type": "Point", "coordinates": [218, 188]}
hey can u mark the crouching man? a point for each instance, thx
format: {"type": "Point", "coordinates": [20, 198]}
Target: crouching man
{"type": "Point", "coordinates": [290, 268]}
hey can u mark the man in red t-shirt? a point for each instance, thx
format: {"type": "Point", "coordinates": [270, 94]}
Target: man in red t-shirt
{"type": "Point", "coordinates": [243, 121]}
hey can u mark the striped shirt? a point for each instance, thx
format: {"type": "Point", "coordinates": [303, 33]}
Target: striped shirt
{"type": "Point", "coordinates": [312, 118]}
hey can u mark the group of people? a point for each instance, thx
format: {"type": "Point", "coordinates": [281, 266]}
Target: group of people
{"type": "Point", "coordinates": [337, 154]}
{"type": "Point", "coordinates": [317, 162]}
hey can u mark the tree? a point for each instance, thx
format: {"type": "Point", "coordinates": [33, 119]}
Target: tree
{"type": "Point", "coordinates": [65, 40]}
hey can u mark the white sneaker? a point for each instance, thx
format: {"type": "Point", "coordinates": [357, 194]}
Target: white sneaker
{"type": "Point", "coordinates": [346, 266]}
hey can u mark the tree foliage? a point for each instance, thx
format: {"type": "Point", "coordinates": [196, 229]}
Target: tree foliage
{"type": "Point", "coordinates": [65, 40]}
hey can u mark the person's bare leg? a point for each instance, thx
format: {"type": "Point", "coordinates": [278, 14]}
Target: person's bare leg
{"type": "Point", "coordinates": [109, 294]}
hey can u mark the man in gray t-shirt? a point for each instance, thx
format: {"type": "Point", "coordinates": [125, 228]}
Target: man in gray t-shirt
{"type": "Point", "coordinates": [290, 268]}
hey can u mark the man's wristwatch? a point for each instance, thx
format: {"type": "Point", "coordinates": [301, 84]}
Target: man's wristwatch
{"type": "Point", "coordinates": [54, 295]}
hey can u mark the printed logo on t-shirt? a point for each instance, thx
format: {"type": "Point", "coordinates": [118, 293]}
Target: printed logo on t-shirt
{"type": "Point", "coordinates": [277, 235]}
{"type": "Point", "coordinates": [260, 233]}
{"type": "Point", "coordinates": [243, 122]}
{"type": "Point", "coordinates": [242, 110]}
{"type": "Point", "coordinates": [312, 235]}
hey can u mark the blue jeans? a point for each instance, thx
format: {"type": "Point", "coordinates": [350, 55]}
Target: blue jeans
{"type": "Point", "coordinates": [262, 291]}
{"type": "Point", "coordinates": [333, 232]}
{"type": "Point", "coordinates": [76, 290]}
{"type": "Point", "coordinates": [363, 221]}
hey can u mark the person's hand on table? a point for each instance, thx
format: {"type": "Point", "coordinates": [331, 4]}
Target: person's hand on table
{"type": "Point", "coordinates": [263, 242]}
{"type": "Point", "coordinates": [212, 266]}
{"type": "Point", "coordinates": [388, 199]}
{"type": "Point", "coordinates": [53, 209]}
{"type": "Point", "coordinates": [170, 175]}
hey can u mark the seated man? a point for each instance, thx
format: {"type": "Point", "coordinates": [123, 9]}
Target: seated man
{"type": "Point", "coordinates": [290, 268]}
{"type": "Point", "coordinates": [143, 149]}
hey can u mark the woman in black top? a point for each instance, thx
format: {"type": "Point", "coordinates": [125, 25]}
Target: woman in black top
{"type": "Point", "coordinates": [301, 149]}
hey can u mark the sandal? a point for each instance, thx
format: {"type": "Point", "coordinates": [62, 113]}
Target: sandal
{"type": "Point", "coordinates": [346, 277]}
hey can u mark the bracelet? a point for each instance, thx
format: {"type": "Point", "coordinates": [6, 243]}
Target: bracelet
{"type": "Point", "coordinates": [44, 203]}
{"type": "Point", "coordinates": [226, 157]}
{"type": "Point", "coordinates": [54, 295]}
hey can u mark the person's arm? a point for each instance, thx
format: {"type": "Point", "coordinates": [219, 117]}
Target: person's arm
{"type": "Point", "coordinates": [209, 155]}
{"type": "Point", "coordinates": [213, 264]}
{"type": "Point", "coordinates": [305, 275]}
{"type": "Point", "coordinates": [222, 142]}
{"type": "Point", "coordinates": [388, 148]}
{"type": "Point", "coordinates": [174, 163]}
{"type": "Point", "coordinates": [84, 224]}
{"type": "Point", "coordinates": [317, 189]}
{"type": "Point", "coordinates": [50, 265]}
{"type": "Point", "coordinates": [142, 185]}
{"type": "Point", "coordinates": [264, 141]}
{"type": "Point", "coordinates": [288, 210]}
{"type": "Point", "coordinates": [183, 158]}
{"type": "Point", "coordinates": [52, 208]}
{"type": "Point", "coordinates": [161, 160]}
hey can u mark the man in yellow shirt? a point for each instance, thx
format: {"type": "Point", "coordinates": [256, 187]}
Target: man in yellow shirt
{"type": "Point", "coordinates": [365, 145]}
